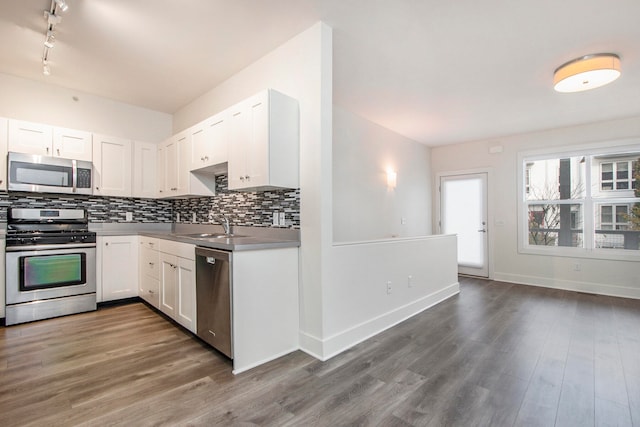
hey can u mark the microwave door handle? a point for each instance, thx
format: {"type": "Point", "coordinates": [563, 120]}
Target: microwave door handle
{"type": "Point", "coordinates": [74, 175]}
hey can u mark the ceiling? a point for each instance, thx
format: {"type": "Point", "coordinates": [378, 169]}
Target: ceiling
{"type": "Point", "coordinates": [435, 71]}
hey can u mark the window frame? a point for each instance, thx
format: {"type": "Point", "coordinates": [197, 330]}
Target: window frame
{"type": "Point", "coordinates": [589, 203]}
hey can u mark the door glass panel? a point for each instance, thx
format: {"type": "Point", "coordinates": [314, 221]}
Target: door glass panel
{"type": "Point", "coordinates": [463, 214]}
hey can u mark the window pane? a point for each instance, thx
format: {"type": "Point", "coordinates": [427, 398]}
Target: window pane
{"type": "Point", "coordinates": [607, 171]}
{"type": "Point", "coordinates": [622, 185]}
{"type": "Point", "coordinates": [556, 179]}
{"type": "Point", "coordinates": [613, 228]}
{"type": "Point", "coordinates": [555, 225]}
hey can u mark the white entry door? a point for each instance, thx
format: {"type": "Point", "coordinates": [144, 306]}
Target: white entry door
{"type": "Point", "coordinates": [463, 211]}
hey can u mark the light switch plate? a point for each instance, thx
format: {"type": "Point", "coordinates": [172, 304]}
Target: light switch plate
{"type": "Point", "coordinates": [276, 218]}
{"type": "Point", "coordinates": [283, 219]}
{"type": "Point", "coordinates": [129, 216]}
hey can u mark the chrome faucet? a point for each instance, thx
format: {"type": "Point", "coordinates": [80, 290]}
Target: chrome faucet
{"type": "Point", "coordinates": [224, 222]}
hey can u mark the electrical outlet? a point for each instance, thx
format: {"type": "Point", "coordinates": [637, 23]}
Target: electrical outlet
{"type": "Point", "coordinates": [193, 217]}
{"type": "Point", "coordinates": [177, 216]}
{"type": "Point", "coordinates": [283, 219]}
{"type": "Point", "coordinates": [403, 221]}
{"type": "Point", "coordinates": [210, 216]}
{"type": "Point", "coordinates": [410, 281]}
{"type": "Point", "coordinates": [388, 288]}
{"type": "Point", "coordinates": [576, 266]}
{"type": "Point", "coordinates": [129, 216]}
{"type": "Point", "coordinates": [276, 218]}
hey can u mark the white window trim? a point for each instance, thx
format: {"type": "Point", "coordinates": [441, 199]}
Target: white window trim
{"type": "Point", "coordinates": [621, 147]}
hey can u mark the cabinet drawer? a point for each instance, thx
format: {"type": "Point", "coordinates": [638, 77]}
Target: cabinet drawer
{"type": "Point", "coordinates": [150, 263]}
{"type": "Point", "coordinates": [182, 250]}
{"type": "Point", "coordinates": [149, 242]}
{"type": "Point", "coordinates": [150, 290]}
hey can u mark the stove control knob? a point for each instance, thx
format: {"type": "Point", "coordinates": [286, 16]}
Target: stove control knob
{"type": "Point", "coordinates": [34, 239]}
{"type": "Point", "coordinates": [72, 238]}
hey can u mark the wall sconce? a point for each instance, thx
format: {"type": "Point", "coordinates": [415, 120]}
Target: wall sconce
{"type": "Point", "coordinates": [391, 179]}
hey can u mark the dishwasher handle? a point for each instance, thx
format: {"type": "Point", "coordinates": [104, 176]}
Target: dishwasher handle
{"type": "Point", "coordinates": [211, 255]}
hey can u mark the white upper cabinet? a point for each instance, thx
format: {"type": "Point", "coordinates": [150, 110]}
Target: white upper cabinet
{"type": "Point", "coordinates": [30, 138]}
{"type": "Point", "coordinates": [209, 142]}
{"type": "Point", "coordinates": [263, 142]}
{"type": "Point", "coordinates": [112, 166]}
{"type": "Point", "coordinates": [144, 169]}
{"type": "Point", "coordinates": [168, 155]}
{"type": "Point", "coordinates": [4, 132]}
{"type": "Point", "coordinates": [176, 178]}
{"type": "Point", "coordinates": [72, 144]}
{"type": "Point", "coordinates": [45, 140]}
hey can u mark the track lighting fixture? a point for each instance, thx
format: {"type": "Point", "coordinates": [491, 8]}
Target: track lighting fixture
{"type": "Point", "coordinates": [52, 19]}
{"type": "Point", "coordinates": [62, 5]}
{"type": "Point", "coordinates": [50, 40]}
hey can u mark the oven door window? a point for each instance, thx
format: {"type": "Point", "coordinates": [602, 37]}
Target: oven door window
{"type": "Point", "coordinates": [49, 271]}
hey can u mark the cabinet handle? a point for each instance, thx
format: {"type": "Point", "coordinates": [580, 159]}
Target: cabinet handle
{"type": "Point", "coordinates": [202, 159]}
{"type": "Point", "coordinates": [206, 158]}
{"type": "Point", "coordinates": [97, 188]}
{"type": "Point", "coordinates": [247, 177]}
{"type": "Point", "coordinates": [242, 178]}
{"type": "Point", "coordinates": [0, 181]}
{"type": "Point", "coordinates": [106, 244]}
{"type": "Point", "coordinates": [47, 150]}
{"type": "Point", "coordinates": [58, 151]}
{"type": "Point", "coordinates": [150, 291]}
{"type": "Point", "coordinates": [150, 263]}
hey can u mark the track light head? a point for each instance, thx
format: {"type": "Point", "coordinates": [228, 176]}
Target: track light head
{"type": "Point", "coordinates": [62, 4]}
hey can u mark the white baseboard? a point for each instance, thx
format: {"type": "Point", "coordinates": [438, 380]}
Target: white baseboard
{"type": "Point", "coordinates": [569, 285]}
{"type": "Point", "coordinates": [241, 369]}
{"type": "Point", "coordinates": [332, 346]}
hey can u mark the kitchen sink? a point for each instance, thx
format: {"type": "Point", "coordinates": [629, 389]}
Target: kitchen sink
{"type": "Point", "coordinates": [211, 235]}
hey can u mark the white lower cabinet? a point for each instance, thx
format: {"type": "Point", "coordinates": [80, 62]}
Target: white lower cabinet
{"type": "Point", "coordinates": [149, 282]}
{"type": "Point", "coordinates": [178, 282]}
{"type": "Point", "coordinates": [117, 267]}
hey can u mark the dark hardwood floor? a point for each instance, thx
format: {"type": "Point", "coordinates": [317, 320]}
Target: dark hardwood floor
{"type": "Point", "coordinates": [496, 355]}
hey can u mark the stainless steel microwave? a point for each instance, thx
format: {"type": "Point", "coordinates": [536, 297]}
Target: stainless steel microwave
{"type": "Point", "coordinates": [42, 174]}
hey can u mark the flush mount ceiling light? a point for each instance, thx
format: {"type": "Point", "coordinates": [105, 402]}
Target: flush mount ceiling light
{"type": "Point", "coordinates": [588, 72]}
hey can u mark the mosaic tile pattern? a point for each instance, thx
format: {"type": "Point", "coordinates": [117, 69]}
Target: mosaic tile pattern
{"type": "Point", "coordinates": [101, 209]}
{"type": "Point", "coordinates": [242, 208]}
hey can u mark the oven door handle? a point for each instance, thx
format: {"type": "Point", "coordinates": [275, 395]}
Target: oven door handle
{"type": "Point", "coordinates": [29, 248]}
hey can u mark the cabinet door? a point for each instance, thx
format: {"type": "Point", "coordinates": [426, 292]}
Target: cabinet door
{"type": "Point", "coordinates": [238, 136]}
{"type": "Point", "coordinates": [119, 267]}
{"type": "Point", "coordinates": [30, 138]}
{"type": "Point", "coordinates": [186, 289]}
{"type": "Point", "coordinates": [144, 169]}
{"type": "Point", "coordinates": [160, 172]}
{"type": "Point", "coordinates": [4, 132]}
{"type": "Point", "coordinates": [72, 144]}
{"type": "Point", "coordinates": [112, 166]}
{"type": "Point", "coordinates": [168, 281]}
{"type": "Point", "coordinates": [183, 169]}
{"type": "Point", "coordinates": [171, 152]}
{"type": "Point", "coordinates": [209, 142]}
{"type": "Point", "coordinates": [257, 148]}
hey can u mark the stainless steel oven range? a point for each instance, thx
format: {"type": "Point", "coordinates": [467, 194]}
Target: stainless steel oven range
{"type": "Point", "coordinates": [50, 264]}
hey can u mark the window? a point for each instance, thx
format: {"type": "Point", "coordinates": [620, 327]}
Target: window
{"type": "Point", "coordinates": [618, 175]}
{"type": "Point", "coordinates": [582, 202]}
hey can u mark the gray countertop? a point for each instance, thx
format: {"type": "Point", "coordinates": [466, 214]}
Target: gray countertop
{"type": "Point", "coordinates": [248, 239]}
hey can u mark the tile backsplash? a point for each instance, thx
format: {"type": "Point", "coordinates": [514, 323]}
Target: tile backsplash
{"type": "Point", "coordinates": [242, 208]}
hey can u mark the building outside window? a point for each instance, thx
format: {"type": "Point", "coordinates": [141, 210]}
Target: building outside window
{"type": "Point", "coordinates": [586, 201]}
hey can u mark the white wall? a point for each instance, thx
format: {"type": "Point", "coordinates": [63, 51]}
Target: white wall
{"type": "Point", "coordinates": [302, 69]}
{"type": "Point", "coordinates": [362, 306]}
{"type": "Point", "coordinates": [598, 276]}
{"type": "Point", "coordinates": [364, 208]}
{"type": "Point", "coordinates": [54, 105]}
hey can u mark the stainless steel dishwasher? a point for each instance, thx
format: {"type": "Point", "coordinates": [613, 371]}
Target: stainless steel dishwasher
{"type": "Point", "coordinates": [213, 298]}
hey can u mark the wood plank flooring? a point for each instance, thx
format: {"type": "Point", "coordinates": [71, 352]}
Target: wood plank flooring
{"type": "Point", "coordinates": [496, 355]}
